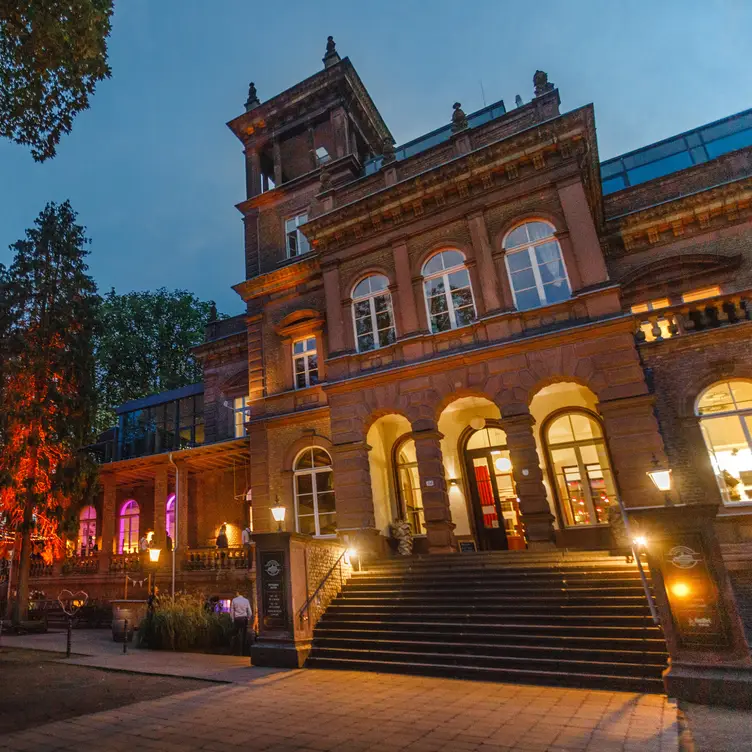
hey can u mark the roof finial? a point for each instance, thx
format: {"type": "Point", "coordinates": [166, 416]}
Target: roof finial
{"type": "Point", "coordinates": [332, 56]}
{"type": "Point", "coordinates": [541, 83]}
{"type": "Point", "coordinates": [518, 101]}
{"type": "Point", "coordinates": [459, 119]}
{"type": "Point", "coordinates": [387, 149]}
{"type": "Point", "coordinates": [253, 100]}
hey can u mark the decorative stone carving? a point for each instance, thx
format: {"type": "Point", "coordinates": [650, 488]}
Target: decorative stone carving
{"type": "Point", "coordinates": [459, 119]}
{"type": "Point", "coordinates": [518, 101]}
{"type": "Point", "coordinates": [325, 180]}
{"type": "Point", "coordinates": [331, 56]}
{"type": "Point", "coordinates": [387, 150]}
{"type": "Point", "coordinates": [212, 311]}
{"type": "Point", "coordinates": [541, 84]}
{"type": "Point", "coordinates": [253, 100]}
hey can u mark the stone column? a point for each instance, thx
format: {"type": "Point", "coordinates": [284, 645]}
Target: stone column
{"type": "Point", "coordinates": [408, 323]}
{"type": "Point", "coordinates": [489, 283]}
{"type": "Point", "coordinates": [181, 507]}
{"type": "Point", "coordinates": [433, 488]}
{"type": "Point", "coordinates": [586, 246]}
{"type": "Point", "coordinates": [528, 478]}
{"type": "Point", "coordinates": [252, 173]}
{"type": "Point", "coordinates": [697, 473]}
{"type": "Point", "coordinates": [161, 487]}
{"type": "Point", "coordinates": [259, 459]}
{"type": "Point", "coordinates": [633, 441]}
{"type": "Point", "coordinates": [334, 324]}
{"type": "Point", "coordinates": [570, 259]}
{"type": "Point", "coordinates": [352, 489]}
{"type": "Point", "coordinates": [109, 517]}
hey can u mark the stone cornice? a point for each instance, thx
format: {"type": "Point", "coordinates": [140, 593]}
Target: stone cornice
{"type": "Point", "coordinates": [479, 171]}
{"type": "Point", "coordinates": [280, 279]}
{"type": "Point", "coordinates": [686, 215]}
{"type": "Point", "coordinates": [232, 344]}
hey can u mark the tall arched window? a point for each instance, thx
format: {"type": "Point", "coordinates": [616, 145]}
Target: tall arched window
{"type": "Point", "coordinates": [536, 269]}
{"type": "Point", "coordinates": [87, 530]}
{"type": "Point", "coordinates": [372, 313]}
{"type": "Point", "coordinates": [129, 518]}
{"type": "Point", "coordinates": [449, 296]}
{"type": "Point", "coordinates": [315, 513]}
{"type": "Point", "coordinates": [408, 486]}
{"type": "Point", "coordinates": [170, 517]}
{"type": "Point", "coordinates": [725, 412]}
{"type": "Point", "coordinates": [580, 468]}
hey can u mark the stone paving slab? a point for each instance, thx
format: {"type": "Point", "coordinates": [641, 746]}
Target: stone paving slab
{"type": "Point", "coordinates": [715, 729]}
{"type": "Point", "coordinates": [338, 711]}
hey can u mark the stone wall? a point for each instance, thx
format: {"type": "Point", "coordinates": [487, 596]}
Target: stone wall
{"type": "Point", "coordinates": [320, 557]}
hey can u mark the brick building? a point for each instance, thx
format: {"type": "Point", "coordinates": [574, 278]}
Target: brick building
{"type": "Point", "coordinates": [487, 332]}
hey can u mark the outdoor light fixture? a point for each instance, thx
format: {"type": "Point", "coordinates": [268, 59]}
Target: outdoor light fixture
{"type": "Point", "coordinates": [680, 589]}
{"type": "Point", "coordinates": [503, 464]}
{"type": "Point", "coordinates": [154, 555]}
{"type": "Point", "coordinates": [278, 513]}
{"type": "Point", "coordinates": [661, 479]}
{"type": "Point", "coordinates": [453, 482]}
{"type": "Point", "coordinates": [350, 554]}
{"type": "Point", "coordinates": [640, 541]}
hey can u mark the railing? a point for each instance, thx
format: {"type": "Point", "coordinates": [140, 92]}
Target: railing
{"type": "Point", "coordinates": [125, 563]}
{"type": "Point", "coordinates": [81, 564]}
{"type": "Point", "coordinates": [304, 613]}
{"type": "Point", "coordinates": [685, 318]}
{"type": "Point", "coordinates": [237, 557]}
{"type": "Point", "coordinates": [38, 568]}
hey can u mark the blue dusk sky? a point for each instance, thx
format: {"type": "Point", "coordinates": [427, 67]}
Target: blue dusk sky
{"type": "Point", "coordinates": [155, 174]}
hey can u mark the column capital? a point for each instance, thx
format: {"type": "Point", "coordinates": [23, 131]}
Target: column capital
{"type": "Point", "coordinates": [427, 434]}
{"type": "Point", "coordinates": [517, 419]}
{"type": "Point", "coordinates": [626, 403]}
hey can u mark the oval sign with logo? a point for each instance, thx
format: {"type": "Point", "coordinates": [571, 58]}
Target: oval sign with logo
{"type": "Point", "coordinates": [684, 557]}
{"type": "Point", "coordinates": [272, 567]}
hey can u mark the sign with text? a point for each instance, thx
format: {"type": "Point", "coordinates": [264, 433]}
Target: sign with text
{"type": "Point", "coordinates": [692, 593]}
{"type": "Point", "coordinates": [274, 602]}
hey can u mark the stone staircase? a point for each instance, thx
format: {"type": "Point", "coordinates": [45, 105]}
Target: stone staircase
{"type": "Point", "coordinates": [577, 619]}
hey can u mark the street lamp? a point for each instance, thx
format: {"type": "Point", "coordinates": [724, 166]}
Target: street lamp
{"type": "Point", "coordinates": [278, 513]}
{"type": "Point", "coordinates": [661, 478]}
{"type": "Point", "coordinates": [154, 560]}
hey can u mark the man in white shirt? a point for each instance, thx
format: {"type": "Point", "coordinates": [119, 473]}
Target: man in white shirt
{"type": "Point", "coordinates": [240, 613]}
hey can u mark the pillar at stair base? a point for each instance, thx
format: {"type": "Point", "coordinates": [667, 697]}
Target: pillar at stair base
{"type": "Point", "coordinates": [440, 537]}
{"type": "Point", "coordinates": [709, 685]}
{"type": "Point", "coordinates": [538, 529]}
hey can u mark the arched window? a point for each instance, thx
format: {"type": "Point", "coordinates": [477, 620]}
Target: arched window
{"type": "Point", "coordinates": [315, 513]}
{"type": "Point", "coordinates": [408, 486]}
{"type": "Point", "coordinates": [170, 517]}
{"type": "Point", "coordinates": [725, 412]}
{"type": "Point", "coordinates": [535, 266]}
{"type": "Point", "coordinates": [372, 313]}
{"type": "Point", "coordinates": [449, 297]}
{"type": "Point", "coordinates": [87, 530]}
{"type": "Point", "coordinates": [129, 518]}
{"type": "Point", "coordinates": [580, 468]}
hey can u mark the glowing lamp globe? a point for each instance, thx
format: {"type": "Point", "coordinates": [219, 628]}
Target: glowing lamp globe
{"type": "Point", "coordinates": [503, 464]}
{"type": "Point", "coordinates": [661, 479]}
{"type": "Point", "coordinates": [278, 513]}
{"type": "Point", "coordinates": [154, 554]}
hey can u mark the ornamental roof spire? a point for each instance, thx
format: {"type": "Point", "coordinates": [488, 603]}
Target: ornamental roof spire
{"type": "Point", "coordinates": [253, 100]}
{"type": "Point", "coordinates": [332, 56]}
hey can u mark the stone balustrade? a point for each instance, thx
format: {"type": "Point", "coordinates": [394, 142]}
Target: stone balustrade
{"type": "Point", "coordinates": [81, 564]}
{"type": "Point", "coordinates": [125, 563]}
{"type": "Point", "coordinates": [38, 568]}
{"type": "Point", "coordinates": [685, 318]}
{"type": "Point", "coordinates": [210, 558]}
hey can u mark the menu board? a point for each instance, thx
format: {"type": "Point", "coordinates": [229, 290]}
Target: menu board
{"type": "Point", "coordinates": [274, 602]}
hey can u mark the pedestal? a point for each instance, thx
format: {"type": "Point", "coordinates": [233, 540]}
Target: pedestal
{"type": "Point", "coordinates": [709, 655]}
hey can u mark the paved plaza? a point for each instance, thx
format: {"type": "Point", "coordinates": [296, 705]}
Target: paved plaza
{"type": "Point", "coordinates": [310, 710]}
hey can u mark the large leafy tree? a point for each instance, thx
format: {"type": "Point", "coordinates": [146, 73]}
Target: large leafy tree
{"type": "Point", "coordinates": [52, 55]}
{"type": "Point", "coordinates": [144, 345]}
{"type": "Point", "coordinates": [48, 312]}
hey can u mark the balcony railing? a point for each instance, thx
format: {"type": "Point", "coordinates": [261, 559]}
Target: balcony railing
{"type": "Point", "coordinates": [125, 563]}
{"type": "Point", "coordinates": [81, 564]}
{"type": "Point", "coordinates": [236, 557]}
{"type": "Point", "coordinates": [685, 318]}
{"type": "Point", "coordinates": [39, 569]}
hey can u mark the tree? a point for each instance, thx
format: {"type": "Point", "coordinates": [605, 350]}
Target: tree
{"type": "Point", "coordinates": [52, 55]}
{"type": "Point", "coordinates": [48, 312]}
{"type": "Point", "coordinates": [144, 346]}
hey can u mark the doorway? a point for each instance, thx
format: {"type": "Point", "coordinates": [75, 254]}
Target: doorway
{"type": "Point", "coordinates": [496, 510]}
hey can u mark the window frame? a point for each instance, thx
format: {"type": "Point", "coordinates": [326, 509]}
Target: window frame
{"type": "Point", "coordinates": [443, 274]}
{"type": "Point", "coordinates": [743, 415]}
{"type": "Point", "coordinates": [529, 248]}
{"type": "Point", "coordinates": [313, 472]}
{"type": "Point", "coordinates": [240, 412]}
{"type": "Point", "coordinates": [371, 298]}
{"type": "Point", "coordinates": [416, 518]}
{"type": "Point", "coordinates": [122, 517]}
{"type": "Point", "coordinates": [300, 238]}
{"type": "Point", "coordinates": [170, 516]}
{"type": "Point", "coordinates": [304, 356]}
{"type": "Point", "coordinates": [85, 525]}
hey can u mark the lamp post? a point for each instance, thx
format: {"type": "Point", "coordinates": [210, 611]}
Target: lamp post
{"type": "Point", "coordinates": [661, 478]}
{"type": "Point", "coordinates": [278, 513]}
{"type": "Point", "coordinates": [154, 564]}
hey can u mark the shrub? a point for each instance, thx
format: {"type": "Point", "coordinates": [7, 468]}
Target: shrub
{"type": "Point", "coordinates": [185, 624]}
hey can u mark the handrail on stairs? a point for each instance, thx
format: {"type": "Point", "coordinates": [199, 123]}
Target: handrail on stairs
{"type": "Point", "coordinates": [303, 613]}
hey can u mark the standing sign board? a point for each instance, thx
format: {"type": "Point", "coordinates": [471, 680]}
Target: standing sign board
{"type": "Point", "coordinates": [274, 601]}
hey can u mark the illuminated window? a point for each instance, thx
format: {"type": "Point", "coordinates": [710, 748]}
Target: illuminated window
{"type": "Point", "coordinates": [297, 243]}
{"type": "Point", "coordinates": [240, 414]}
{"type": "Point", "coordinates": [305, 363]}
{"type": "Point", "coordinates": [170, 517]}
{"type": "Point", "coordinates": [651, 305]}
{"type": "Point", "coordinates": [322, 155]}
{"type": "Point", "coordinates": [725, 412]}
{"type": "Point", "coordinates": [372, 313]}
{"type": "Point", "coordinates": [535, 266]}
{"type": "Point", "coordinates": [129, 519]}
{"type": "Point", "coordinates": [701, 294]}
{"type": "Point", "coordinates": [449, 297]}
{"type": "Point", "coordinates": [87, 531]}
{"type": "Point", "coordinates": [315, 513]}
{"type": "Point", "coordinates": [580, 467]}
{"type": "Point", "coordinates": [408, 487]}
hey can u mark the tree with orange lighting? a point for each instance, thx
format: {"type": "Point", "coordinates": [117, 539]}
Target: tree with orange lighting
{"type": "Point", "coordinates": [48, 312]}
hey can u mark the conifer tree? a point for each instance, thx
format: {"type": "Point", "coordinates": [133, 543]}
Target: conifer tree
{"type": "Point", "coordinates": [48, 313]}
